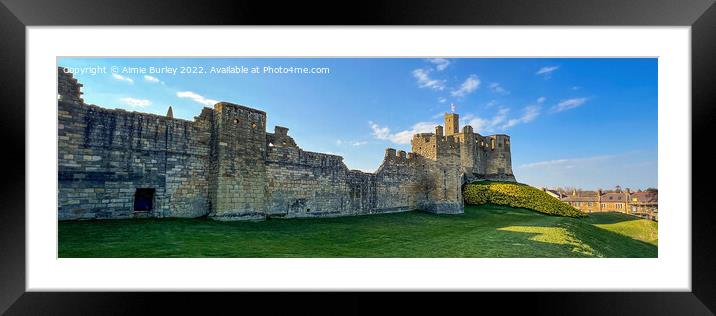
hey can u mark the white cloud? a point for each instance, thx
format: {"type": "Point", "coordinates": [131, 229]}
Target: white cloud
{"type": "Point", "coordinates": [440, 63]}
{"type": "Point", "coordinates": [546, 72]}
{"type": "Point", "coordinates": [151, 79]}
{"type": "Point", "coordinates": [567, 163]}
{"type": "Point", "coordinates": [483, 125]}
{"type": "Point", "coordinates": [529, 114]}
{"type": "Point", "coordinates": [424, 80]}
{"type": "Point", "coordinates": [479, 125]}
{"type": "Point", "coordinates": [196, 98]}
{"type": "Point", "coordinates": [545, 163]}
{"type": "Point", "coordinates": [569, 104]}
{"type": "Point", "coordinates": [468, 86]}
{"type": "Point", "coordinates": [136, 102]}
{"type": "Point", "coordinates": [379, 132]}
{"type": "Point", "coordinates": [641, 164]}
{"type": "Point", "coordinates": [122, 78]}
{"type": "Point", "coordinates": [464, 119]}
{"type": "Point", "coordinates": [497, 88]}
{"type": "Point", "coordinates": [541, 100]}
{"type": "Point", "coordinates": [331, 152]}
{"type": "Point", "coordinates": [438, 115]}
{"type": "Point", "coordinates": [500, 121]}
{"type": "Point", "coordinates": [442, 100]}
{"type": "Point", "coordinates": [402, 137]}
{"type": "Point", "coordinates": [341, 142]}
{"type": "Point", "coordinates": [366, 170]}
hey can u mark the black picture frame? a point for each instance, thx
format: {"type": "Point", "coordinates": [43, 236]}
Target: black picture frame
{"type": "Point", "coordinates": [15, 15]}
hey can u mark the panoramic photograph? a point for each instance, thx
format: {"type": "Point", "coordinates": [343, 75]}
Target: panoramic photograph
{"type": "Point", "coordinates": [433, 157]}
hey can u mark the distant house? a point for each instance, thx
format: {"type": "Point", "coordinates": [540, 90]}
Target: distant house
{"type": "Point", "coordinates": [557, 194]}
{"type": "Point", "coordinates": [585, 201]}
{"type": "Point", "coordinates": [645, 204]}
{"type": "Point", "coordinates": [614, 201]}
{"type": "Point", "coordinates": [642, 204]}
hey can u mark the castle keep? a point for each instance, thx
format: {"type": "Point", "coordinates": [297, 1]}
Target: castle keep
{"type": "Point", "coordinates": [223, 164]}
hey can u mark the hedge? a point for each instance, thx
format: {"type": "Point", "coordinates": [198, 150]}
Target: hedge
{"type": "Point", "coordinates": [517, 195]}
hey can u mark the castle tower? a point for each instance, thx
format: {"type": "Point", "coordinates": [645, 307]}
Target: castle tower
{"type": "Point", "coordinates": [425, 144]}
{"type": "Point", "coordinates": [237, 187]}
{"type": "Point", "coordinates": [499, 158]}
{"type": "Point", "coordinates": [452, 124]}
{"type": "Point", "coordinates": [468, 150]}
{"type": "Point", "coordinates": [170, 112]}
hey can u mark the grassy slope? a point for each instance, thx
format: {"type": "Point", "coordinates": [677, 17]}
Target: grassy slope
{"type": "Point", "coordinates": [483, 231]}
{"type": "Point", "coordinates": [637, 228]}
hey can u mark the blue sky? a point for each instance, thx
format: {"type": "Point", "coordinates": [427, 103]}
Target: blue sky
{"type": "Point", "coordinates": [589, 123]}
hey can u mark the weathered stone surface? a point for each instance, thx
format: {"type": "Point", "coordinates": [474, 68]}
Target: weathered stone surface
{"type": "Point", "coordinates": [105, 155]}
{"type": "Point", "coordinates": [224, 165]}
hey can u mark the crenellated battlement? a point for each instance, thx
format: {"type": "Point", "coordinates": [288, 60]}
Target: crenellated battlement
{"type": "Point", "coordinates": [391, 154]}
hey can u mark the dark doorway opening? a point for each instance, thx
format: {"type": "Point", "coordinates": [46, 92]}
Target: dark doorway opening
{"type": "Point", "coordinates": [144, 200]}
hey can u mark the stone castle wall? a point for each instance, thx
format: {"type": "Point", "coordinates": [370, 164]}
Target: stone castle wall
{"type": "Point", "coordinates": [306, 184]}
{"type": "Point", "coordinates": [105, 155]}
{"type": "Point", "coordinates": [224, 165]}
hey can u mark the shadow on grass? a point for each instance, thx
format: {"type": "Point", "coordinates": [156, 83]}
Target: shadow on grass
{"type": "Point", "coordinates": [581, 239]}
{"type": "Point", "coordinates": [612, 244]}
{"type": "Point", "coordinates": [609, 217]}
{"type": "Point", "coordinates": [555, 235]}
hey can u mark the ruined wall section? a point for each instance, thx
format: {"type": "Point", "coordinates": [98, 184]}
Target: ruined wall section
{"type": "Point", "coordinates": [308, 184]}
{"type": "Point", "coordinates": [68, 89]}
{"type": "Point", "coordinates": [280, 138]}
{"type": "Point", "coordinates": [398, 185]}
{"type": "Point", "coordinates": [105, 155]}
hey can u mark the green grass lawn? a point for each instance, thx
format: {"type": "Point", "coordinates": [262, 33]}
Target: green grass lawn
{"type": "Point", "coordinates": [483, 231]}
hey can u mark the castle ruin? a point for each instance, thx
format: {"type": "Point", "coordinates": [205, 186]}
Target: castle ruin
{"type": "Point", "coordinates": [116, 164]}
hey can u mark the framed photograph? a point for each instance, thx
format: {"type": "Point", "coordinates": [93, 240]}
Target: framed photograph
{"type": "Point", "coordinates": [511, 147]}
